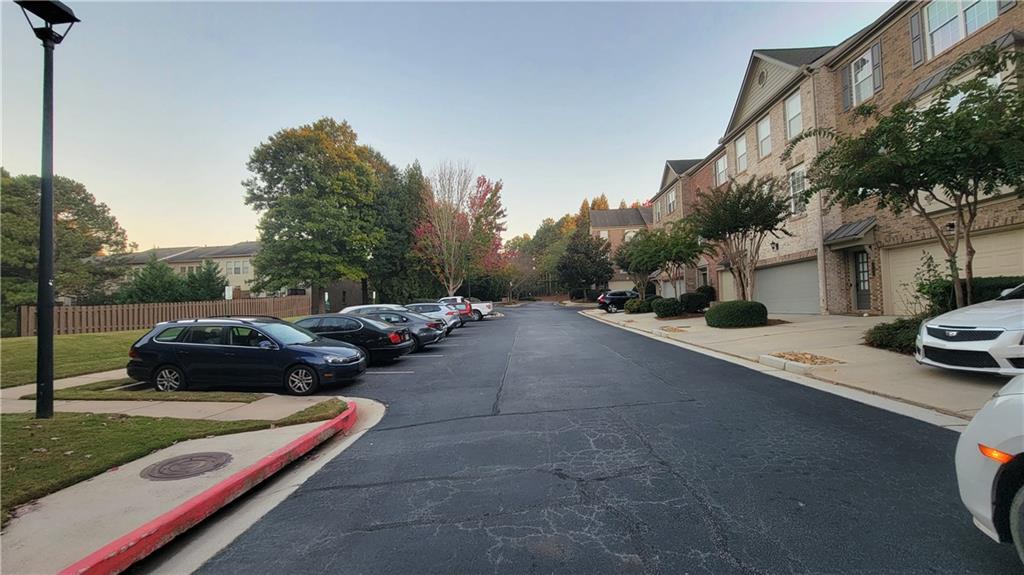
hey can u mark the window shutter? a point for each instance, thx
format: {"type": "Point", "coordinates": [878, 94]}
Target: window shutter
{"type": "Point", "coordinates": [1005, 5]}
{"type": "Point", "coordinates": [847, 88]}
{"type": "Point", "coordinates": [916, 39]}
{"type": "Point", "coordinates": [876, 65]}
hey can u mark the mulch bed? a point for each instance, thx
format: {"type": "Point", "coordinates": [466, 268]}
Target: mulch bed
{"type": "Point", "coordinates": [806, 358]}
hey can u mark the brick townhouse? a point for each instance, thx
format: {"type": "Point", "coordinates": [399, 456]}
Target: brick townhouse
{"type": "Point", "coordinates": [903, 55]}
{"type": "Point", "coordinates": [856, 259]}
{"type": "Point", "coordinates": [616, 227]}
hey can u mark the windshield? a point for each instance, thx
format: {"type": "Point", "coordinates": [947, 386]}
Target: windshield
{"type": "Point", "coordinates": [1017, 293]}
{"type": "Point", "coordinates": [288, 334]}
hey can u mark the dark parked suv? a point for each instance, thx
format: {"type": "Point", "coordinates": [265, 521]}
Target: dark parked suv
{"type": "Point", "coordinates": [613, 301]}
{"type": "Point", "coordinates": [380, 341]}
{"type": "Point", "coordinates": [237, 351]}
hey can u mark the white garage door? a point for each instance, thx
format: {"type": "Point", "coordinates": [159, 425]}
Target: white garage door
{"type": "Point", "coordinates": [998, 254]}
{"type": "Point", "coordinates": [790, 288]}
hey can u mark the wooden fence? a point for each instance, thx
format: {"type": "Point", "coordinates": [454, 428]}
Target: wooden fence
{"type": "Point", "coordinates": [101, 318]}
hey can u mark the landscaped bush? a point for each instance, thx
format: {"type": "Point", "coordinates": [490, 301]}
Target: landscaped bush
{"type": "Point", "coordinates": [738, 313]}
{"type": "Point", "coordinates": [940, 292]}
{"type": "Point", "coordinates": [708, 291]}
{"type": "Point", "coordinates": [693, 302]}
{"type": "Point", "coordinates": [638, 306]}
{"type": "Point", "coordinates": [898, 336]}
{"type": "Point", "coordinates": [667, 307]}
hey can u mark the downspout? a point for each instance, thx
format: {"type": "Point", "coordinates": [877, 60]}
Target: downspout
{"type": "Point", "coordinates": [822, 276]}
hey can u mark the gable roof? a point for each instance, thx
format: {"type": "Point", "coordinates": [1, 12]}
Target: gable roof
{"type": "Point", "coordinates": [620, 218]}
{"type": "Point", "coordinates": [193, 253]}
{"type": "Point", "coordinates": [791, 60]}
{"type": "Point", "coordinates": [680, 166]}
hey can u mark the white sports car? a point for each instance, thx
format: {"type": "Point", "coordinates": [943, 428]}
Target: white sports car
{"type": "Point", "coordinates": [990, 466]}
{"type": "Point", "coordinates": [986, 337]}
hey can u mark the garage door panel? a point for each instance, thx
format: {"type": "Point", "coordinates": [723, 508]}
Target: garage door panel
{"type": "Point", "coordinates": [790, 288]}
{"type": "Point", "coordinates": [998, 254]}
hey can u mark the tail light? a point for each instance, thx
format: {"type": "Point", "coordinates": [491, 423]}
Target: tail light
{"type": "Point", "coordinates": [393, 337]}
{"type": "Point", "coordinates": [450, 313]}
{"type": "Point", "coordinates": [600, 298]}
{"type": "Point", "coordinates": [133, 352]}
{"type": "Point", "coordinates": [434, 325]}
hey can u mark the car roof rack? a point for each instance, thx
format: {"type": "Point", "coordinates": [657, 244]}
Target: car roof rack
{"type": "Point", "coordinates": [243, 316]}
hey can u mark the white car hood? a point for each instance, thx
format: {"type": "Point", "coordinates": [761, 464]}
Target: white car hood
{"type": "Point", "coordinates": [1008, 314]}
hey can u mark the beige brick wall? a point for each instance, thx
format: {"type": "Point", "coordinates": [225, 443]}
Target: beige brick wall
{"type": "Point", "coordinates": [899, 78]}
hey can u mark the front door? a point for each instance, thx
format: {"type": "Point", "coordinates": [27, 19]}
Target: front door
{"type": "Point", "coordinates": [862, 280]}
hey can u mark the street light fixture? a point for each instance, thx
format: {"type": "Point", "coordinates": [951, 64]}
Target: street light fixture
{"type": "Point", "coordinates": [52, 14]}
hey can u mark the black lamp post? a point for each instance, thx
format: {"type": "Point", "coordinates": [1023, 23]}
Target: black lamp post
{"type": "Point", "coordinates": [51, 13]}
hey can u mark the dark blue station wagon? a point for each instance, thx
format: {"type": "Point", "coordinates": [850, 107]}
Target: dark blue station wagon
{"type": "Point", "coordinates": [241, 351]}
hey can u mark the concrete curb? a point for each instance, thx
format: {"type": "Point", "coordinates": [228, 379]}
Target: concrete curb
{"type": "Point", "coordinates": [786, 365]}
{"type": "Point", "coordinates": [126, 550]}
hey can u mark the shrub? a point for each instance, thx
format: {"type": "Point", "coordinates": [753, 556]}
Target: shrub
{"type": "Point", "coordinates": [940, 293]}
{"type": "Point", "coordinates": [667, 307]}
{"type": "Point", "coordinates": [638, 306]}
{"type": "Point", "coordinates": [708, 291]}
{"type": "Point", "coordinates": [693, 302]}
{"type": "Point", "coordinates": [738, 313]}
{"type": "Point", "coordinates": [898, 336]}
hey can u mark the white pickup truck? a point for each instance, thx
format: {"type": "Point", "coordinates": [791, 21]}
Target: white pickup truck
{"type": "Point", "coordinates": [474, 308]}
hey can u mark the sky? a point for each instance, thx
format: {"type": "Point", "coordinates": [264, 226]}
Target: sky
{"type": "Point", "coordinates": [158, 105]}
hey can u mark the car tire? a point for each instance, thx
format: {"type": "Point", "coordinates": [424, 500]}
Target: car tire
{"type": "Point", "coordinates": [1017, 522]}
{"type": "Point", "coordinates": [612, 308]}
{"type": "Point", "coordinates": [477, 316]}
{"type": "Point", "coordinates": [366, 352]}
{"type": "Point", "coordinates": [416, 345]}
{"type": "Point", "coordinates": [301, 380]}
{"type": "Point", "coordinates": [169, 378]}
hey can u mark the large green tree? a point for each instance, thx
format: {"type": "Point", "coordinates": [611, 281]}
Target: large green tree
{"type": "Point", "coordinates": [938, 159]}
{"type": "Point", "coordinates": [735, 219]}
{"type": "Point", "coordinates": [206, 283]}
{"type": "Point", "coordinates": [88, 241]}
{"type": "Point", "coordinates": [641, 256]}
{"type": "Point", "coordinates": [316, 188]}
{"type": "Point", "coordinates": [585, 262]}
{"type": "Point", "coordinates": [680, 249]}
{"type": "Point", "coordinates": [154, 283]}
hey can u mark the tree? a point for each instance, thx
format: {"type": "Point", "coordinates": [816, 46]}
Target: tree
{"type": "Point", "coordinates": [735, 218]}
{"type": "Point", "coordinates": [938, 161]}
{"type": "Point", "coordinates": [599, 203]}
{"type": "Point", "coordinates": [585, 262]}
{"type": "Point", "coordinates": [583, 216]}
{"type": "Point", "coordinates": [156, 282]}
{"type": "Point", "coordinates": [316, 188]}
{"type": "Point", "coordinates": [88, 238]}
{"type": "Point", "coordinates": [640, 257]}
{"type": "Point", "coordinates": [680, 249]}
{"type": "Point", "coordinates": [622, 205]}
{"type": "Point", "coordinates": [487, 217]}
{"type": "Point", "coordinates": [206, 283]}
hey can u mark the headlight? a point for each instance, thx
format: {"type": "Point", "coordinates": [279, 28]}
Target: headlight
{"type": "Point", "coordinates": [335, 359]}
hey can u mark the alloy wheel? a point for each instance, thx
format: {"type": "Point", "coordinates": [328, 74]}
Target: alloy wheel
{"type": "Point", "coordinates": [300, 380]}
{"type": "Point", "coordinates": [168, 379]}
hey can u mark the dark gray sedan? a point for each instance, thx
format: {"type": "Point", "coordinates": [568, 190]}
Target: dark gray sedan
{"type": "Point", "coordinates": [424, 330]}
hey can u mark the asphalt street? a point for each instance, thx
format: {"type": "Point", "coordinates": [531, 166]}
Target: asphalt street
{"type": "Point", "coordinates": [546, 442]}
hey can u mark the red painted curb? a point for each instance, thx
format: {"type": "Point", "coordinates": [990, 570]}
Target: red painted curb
{"type": "Point", "coordinates": [121, 553]}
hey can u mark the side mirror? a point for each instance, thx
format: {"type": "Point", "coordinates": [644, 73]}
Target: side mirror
{"type": "Point", "coordinates": [1005, 292]}
{"type": "Point", "coordinates": [267, 345]}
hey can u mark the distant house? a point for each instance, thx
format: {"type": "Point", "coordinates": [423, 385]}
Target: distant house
{"type": "Point", "coordinates": [616, 227]}
{"type": "Point", "coordinates": [235, 260]}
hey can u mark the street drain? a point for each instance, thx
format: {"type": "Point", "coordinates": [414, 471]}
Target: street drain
{"type": "Point", "coordinates": [185, 466]}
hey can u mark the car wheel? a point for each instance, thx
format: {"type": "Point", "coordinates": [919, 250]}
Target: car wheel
{"type": "Point", "coordinates": [416, 346]}
{"type": "Point", "coordinates": [168, 378]}
{"type": "Point", "coordinates": [1017, 522]}
{"type": "Point", "coordinates": [366, 352]}
{"type": "Point", "coordinates": [612, 308]}
{"type": "Point", "coordinates": [477, 316]}
{"type": "Point", "coordinates": [301, 380]}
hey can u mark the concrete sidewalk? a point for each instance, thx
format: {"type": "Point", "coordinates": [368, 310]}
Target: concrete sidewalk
{"type": "Point", "coordinates": [271, 407]}
{"type": "Point", "coordinates": [91, 514]}
{"type": "Point", "coordinates": [876, 371]}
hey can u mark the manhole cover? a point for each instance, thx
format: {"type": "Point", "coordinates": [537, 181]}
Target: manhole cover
{"type": "Point", "coordinates": [185, 466]}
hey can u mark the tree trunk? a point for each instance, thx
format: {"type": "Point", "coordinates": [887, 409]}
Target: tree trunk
{"type": "Point", "coordinates": [366, 290]}
{"type": "Point", "coordinates": [958, 287]}
{"type": "Point", "coordinates": [317, 298]}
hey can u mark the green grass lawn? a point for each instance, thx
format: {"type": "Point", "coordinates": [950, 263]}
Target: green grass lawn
{"type": "Point", "coordinates": [103, 391]}
{"type": "Point", "coordinates": [72, 355]}
{"type": "Point", "coordinates": [41, 456]}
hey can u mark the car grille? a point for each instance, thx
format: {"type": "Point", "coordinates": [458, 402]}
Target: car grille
{"type": "Point", "coordinates": [1017, 362]}
{"type": "Point", "coordinates": [963, 334]}
{"type": "Point", "coordinates": [959, 357]}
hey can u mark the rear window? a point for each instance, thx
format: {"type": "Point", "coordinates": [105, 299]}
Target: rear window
{"type": "Point", "coordinates": [169, 334]}
{"type": "Point", "coordinates": [308, 322]}
{"type": "Point", "coordinates": [208, 334]}
{"type": "Point", "coordinates": [375, 323]}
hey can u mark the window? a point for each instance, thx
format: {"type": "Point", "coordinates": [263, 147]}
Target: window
{"type": "Point", "coordinates": [764, 137]}
{"type": "Point", "coordinates": [672, 201]}
{"type": "Point", "coordinates": [657, 211]}
{"type": "Point", "coordinates": [702, 276]}
{"type": "Point", "coordinates": [603, 234]}
{"type": "Point", "coordinates": [740, 146]}
{"type": "Point", "coordinates": [797, 203]}
{"type": "Point", "coordinates": [861, 79]}
{"type": "Point", "coordinates": [721, 170]}
{"type": "Point", "coordinates": [339, 324]}
{"type": "Point", "coordinates": [794, 120]}
{"type": "Point", "coordinates": [628, 235]}
{"type": "Point", "coordinates": [247, 337]}
{"type": "Point", "coordinates": [245, 266]}
{"type": "Point", "coordinates": [169, 334]}
{"type": "Point", "coordinates": [949, 21]}
{"type": "Point", "coordinates": [208, 334]}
